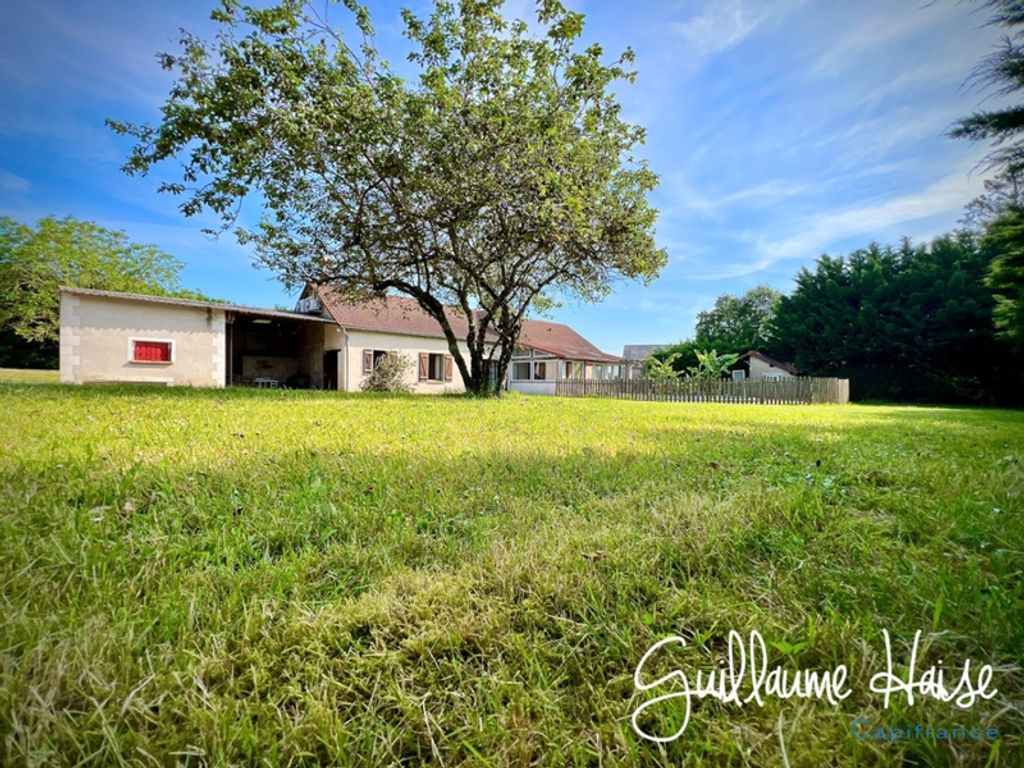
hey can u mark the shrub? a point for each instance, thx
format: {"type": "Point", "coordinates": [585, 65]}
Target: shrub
{"type": "Point", "coordinates": [389, 375]}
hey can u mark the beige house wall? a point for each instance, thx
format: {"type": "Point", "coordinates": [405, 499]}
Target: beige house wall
{"type": "Point", "coordinates": [408, 347]}
{"type": "Point", "coordinates": [759, 369]}
{"type": "Point", "coordinates": [96, 336]}
{"type": "Point", "coordinates": [592, 372]}
{"type": "Point", "coordinates": [555, 368]}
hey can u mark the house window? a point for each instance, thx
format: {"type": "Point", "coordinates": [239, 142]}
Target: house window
{"type": "Point", "coordinates": [739, 375]}
{"type": "Point", "coordinates": [597, 372]}
{"type": "Point", "coordinates": [152, 351]}
{"type": "Point", "coordinates": [573, 370]}
{"type": "Point", "coordinates": [521, 371]}
{"type": "Point", "coordinates": [435, 367]}
{"type": "Point", "coordinates": [540, 370]}
{"type": "Point", "coordinates": [372, 358]}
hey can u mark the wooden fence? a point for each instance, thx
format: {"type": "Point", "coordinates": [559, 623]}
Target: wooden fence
{"type": "Point", "coordinates": [783, 392]}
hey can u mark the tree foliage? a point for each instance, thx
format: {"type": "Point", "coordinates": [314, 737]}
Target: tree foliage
{"type": "Point", "coordinates": [1004, 245]}
{"type": "Point", "coordinates": [390, 375]}
{"type": "Point", "coordinates": [713, 365]}
{"type": "Point", "coordinates": [35, 261]}
{"type": "Point", "coordinates": [902, 323]}
{"type": "Point", "coordinates": [503, 173]}
{"type": "Point", "coordinates": [1001, 74]}
{"type": "Point", "coordinates": [739, 323]}
{"type": "Point", "coordinates": [681, 356]}
{"type": "Point", "coordinates": [659, 369]}
{"type": "Point", "coordinates": [1002, 192]}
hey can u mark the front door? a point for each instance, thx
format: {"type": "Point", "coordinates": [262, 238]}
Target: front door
{"type": "Point", "coordinates": [331, 369]}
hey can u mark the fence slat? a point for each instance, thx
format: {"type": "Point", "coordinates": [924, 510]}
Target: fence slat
{"type": "Point", "coordinates": [801, 390]}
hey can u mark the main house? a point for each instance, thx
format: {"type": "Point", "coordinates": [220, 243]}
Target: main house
{"type": "Point", "coordinates": [327, 342]}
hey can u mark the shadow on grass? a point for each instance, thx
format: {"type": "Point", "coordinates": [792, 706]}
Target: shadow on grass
{"type": "Point", "coordinates": [363, 606]}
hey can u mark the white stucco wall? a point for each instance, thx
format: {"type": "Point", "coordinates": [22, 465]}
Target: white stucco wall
{"type": "Point", "coordinates": [409, 347]}
{"type": "Point", "coordinates": [96, 334]}
{"type": "Point", "coordinates": [538, 387]}
{"type": "Point", "coordinates": [555, 370]}
{"type": "Point", "coordinates": [759, 368]}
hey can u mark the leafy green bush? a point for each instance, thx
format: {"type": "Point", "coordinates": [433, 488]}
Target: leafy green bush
{"type": "Point", "coordinates": [390, 375]}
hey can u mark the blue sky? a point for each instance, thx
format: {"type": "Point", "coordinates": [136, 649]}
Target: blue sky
{"type": "Point", "coordinates": [780, 131]}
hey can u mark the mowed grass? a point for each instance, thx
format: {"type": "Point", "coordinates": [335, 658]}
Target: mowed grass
{"type": "Point", "coordinates": [28, 376]}
{"type": "Point", "coordinates": [281, 578]}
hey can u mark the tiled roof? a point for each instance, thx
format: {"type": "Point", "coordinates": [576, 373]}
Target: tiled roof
{"type": "Point", "coordinates": [391, 314]}
{"type": "Point", "coordinates": [240, 309]}
{"type": "Point", "coordinates": [398, 314]}
{"type": "Point", "coordinates": [561, 341]}
{"type": "Point", "coordinates": [640, 351]}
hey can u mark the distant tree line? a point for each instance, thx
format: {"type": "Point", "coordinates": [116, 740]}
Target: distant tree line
{"type": "Point", "coordinates": [937, 322]}
{"type": "Point", "coordinates": [36, 260]}
{"type": "Point", "coordinates": [909, 323]}
{"type": "Point", "coordinates": [913, 323]}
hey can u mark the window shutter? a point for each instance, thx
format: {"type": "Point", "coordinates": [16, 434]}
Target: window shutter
{"type": "Point", "coordinates": [447, 367]}
{"type": "Point", "coordinates": [367, 361]}
{"type": "Point", "coordinates": [424, 366]}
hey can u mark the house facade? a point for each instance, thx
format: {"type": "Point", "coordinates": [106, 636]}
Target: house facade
{"type": "Point", "coordinates": [757, 366]}
{"type": "Point", "coordinates": [633, 357]}
{"type": "Point", "coordinates": [327, 343]}
{"type": "Point", "coordinates": [547, 352]}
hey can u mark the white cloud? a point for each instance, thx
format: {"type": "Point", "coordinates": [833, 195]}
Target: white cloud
{"type": "Point", "coordinates": [13, 183]}
{"type": "Point", "coordinates": [883, 25]}
{"type": "Point", "coordinates": [721, 26]}
{"type": "Point", "coordinates": [814, 234]}
{"type": "Point", "coordinates": [739, 269]}
{"type": "Point", "coordinates": [774, 190]}
{"type": "Point", "coordinates": [946, 195]}
{"type": "Point", "coordinates": [726, 23]}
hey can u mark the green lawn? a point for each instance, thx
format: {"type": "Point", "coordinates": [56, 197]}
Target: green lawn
{"type": "Point", "coordinates": [28, 376]}
{"type": "Point", "coordinates": [233, 577]}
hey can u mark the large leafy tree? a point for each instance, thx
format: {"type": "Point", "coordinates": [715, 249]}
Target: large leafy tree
{"type": "Point", "coordinates": [1002, 75]}
{"type": "Point", "coordinates": [1003, 191]}
{"type": "Point", "coordinates": [501, 175]}
{"type": "Point", "coordinates": [739, 323]}
{"type": "Point", "coordinates": [903, 323]}
{"type": "Point", "coordinates": [36, 260]}
{"type": "Point", "coordinates": [999, 209]}
{"type": "Point", "coordinates": [1004, 242]}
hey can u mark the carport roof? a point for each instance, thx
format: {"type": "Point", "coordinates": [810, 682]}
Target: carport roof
{"type": "Point", "coordinates": [240, 309]}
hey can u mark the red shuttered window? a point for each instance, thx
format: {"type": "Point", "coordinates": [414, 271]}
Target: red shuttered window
{"type": "Point", "coordinates": [151, 351]}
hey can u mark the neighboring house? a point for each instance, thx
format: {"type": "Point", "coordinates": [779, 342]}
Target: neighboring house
{"type": "Point", "coordinates": [757, 366]}
{"type": "Point", "coordinates": [329, 344]}
{"type": "Point", "coordinates": [633, 356]}
{"type": "Point", "coordinates": [547, 352]}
